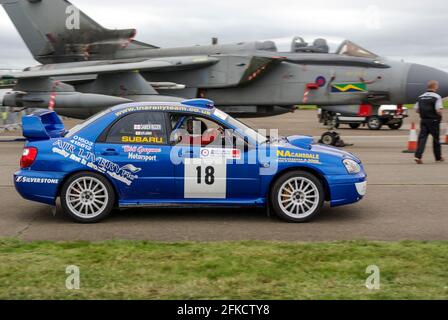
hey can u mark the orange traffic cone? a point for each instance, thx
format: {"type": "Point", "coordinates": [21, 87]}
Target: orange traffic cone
{"type": "Point", "coordinates": [446, 136]}
{"type": "Point", "coordinates": [413, 138]}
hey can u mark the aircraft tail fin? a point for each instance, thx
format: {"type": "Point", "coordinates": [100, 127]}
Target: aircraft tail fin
{"type": "Point", "coordinates": [56, 31]}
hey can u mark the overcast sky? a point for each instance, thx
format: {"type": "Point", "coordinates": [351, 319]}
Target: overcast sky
{"type": "Point", "coordinates": [415, 31]}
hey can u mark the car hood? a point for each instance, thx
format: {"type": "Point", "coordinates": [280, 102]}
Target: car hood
{"type": "Point", "coordinates": [306, 143]}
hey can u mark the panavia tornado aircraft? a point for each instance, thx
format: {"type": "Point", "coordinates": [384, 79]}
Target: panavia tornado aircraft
{"type": "Point", "coordinates": [86, 68]}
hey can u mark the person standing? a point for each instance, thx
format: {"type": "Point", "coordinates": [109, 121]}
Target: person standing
{"type": "Point", "coordinates": [429, 106]}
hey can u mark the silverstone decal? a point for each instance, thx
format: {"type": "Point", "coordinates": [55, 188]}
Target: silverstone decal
{"type": "Point", "coordinates": [126, 174]}
{"type": "Point", "coordinates": [205, 179]}
{"type": "Point", "coordinates": [348, 87]}
{"type": "Point", "coordinates": [292, 156]}
{"type": "Point", "coordinates": [141, 153]}
{"type": "Point", "coordinates": [142, 139]}
{"type": "Point", "coordinates": [232, 154]}
{"type": "Point", "coordinates": [21, 179]}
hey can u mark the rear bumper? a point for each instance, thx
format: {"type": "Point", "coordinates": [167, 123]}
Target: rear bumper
{"type": "Point", "coordinates": [347, 189]}
{"type": "Point", "coordinates": [38, 186]}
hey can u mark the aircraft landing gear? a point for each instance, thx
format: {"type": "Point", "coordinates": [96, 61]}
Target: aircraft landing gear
{"type": "Point", "coordinates": [331, 137]}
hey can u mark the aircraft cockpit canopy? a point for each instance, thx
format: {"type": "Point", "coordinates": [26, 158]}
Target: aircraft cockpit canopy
{"type": "Point", "coordinates": [299, 45]}
{"type": "Point", "coordinates": [317, 45]}
{"type": "Point", "coordinates": [351, 49]}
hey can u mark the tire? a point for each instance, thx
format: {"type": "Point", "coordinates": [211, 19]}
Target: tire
{"type": "Point", "coordinates": [374, 123]}
{"type": "Point", "coordinates": [289, 193]}
{"type": "Point", "coordinates": [87, 197]}
{"type": "Point", "coordinates": [396, 126]}
{"type": "Point", "coordinates": [354, 125]}
{"type": "Point", "coordinates": [329, 138]}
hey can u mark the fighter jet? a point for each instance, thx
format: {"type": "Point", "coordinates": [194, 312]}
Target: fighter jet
{"type": "Point", "coordinates": [85, 68]}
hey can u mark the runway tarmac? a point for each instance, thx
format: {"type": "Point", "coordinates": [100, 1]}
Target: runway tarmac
{"type": "Point", "coordinates": [404, 201]}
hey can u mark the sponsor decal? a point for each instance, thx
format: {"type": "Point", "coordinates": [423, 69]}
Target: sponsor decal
{"type": "Point", "coordinates": [233, 154]}
{"type": "Point", "coordinates": [292, 156]}
{"type": "Point", "coordinates": [163, 109]}
{"type": "Point", "coordinates": [148, 127]}
{"type": "Point", "coordinates": [349, 87]}
{"type": "Point", "coordinates": [142, 153]}
{"type": "Point", "coordinates": [82, 143]}
{"type": "Point", "coordinates": [143, 133]}
{"type": "Point", "coordinates": [126, 174]}
{"type": "Point", "coordinates": [131, 168]}
{"type": "Point", "coordinates": [141, 149]}
{"type": "Point", "coordinates": [141, 157]}
{"type": "Point", "coordinates": [142, 139]}
{"type": "Point", "coordinates": [21, 179]}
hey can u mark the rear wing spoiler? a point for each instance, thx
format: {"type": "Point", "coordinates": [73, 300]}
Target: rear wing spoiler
{"type": "Point", "coordinates": [42, 125]}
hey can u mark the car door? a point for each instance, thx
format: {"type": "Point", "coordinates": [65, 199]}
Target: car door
{"type": "Point", "coordinates": [137, 145]}
{"type": "Point", "coordinates": [217, 171]}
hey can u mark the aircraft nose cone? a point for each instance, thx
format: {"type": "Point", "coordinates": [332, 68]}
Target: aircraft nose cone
{"type": "Point", "coordinates": [418, 78]}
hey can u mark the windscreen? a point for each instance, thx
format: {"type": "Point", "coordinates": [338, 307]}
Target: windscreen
{"type": "Point", "coordinates": [351, 49]}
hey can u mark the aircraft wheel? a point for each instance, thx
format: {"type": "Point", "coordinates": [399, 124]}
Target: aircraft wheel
{"type": "Point", "coordinates": [396, 126]}
{"type": "Point", "coordinates": [329, 138]}
{"type": "Point", "coordinates": [354, 125]}
{"type": "Point", "coordinates": [87, 197]}
{"type": "Point", "coordinates": [374, 123]}
{"type": "Point", "coordinates": [297, 196]}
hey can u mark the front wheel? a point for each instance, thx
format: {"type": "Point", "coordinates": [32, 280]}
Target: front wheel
{"type": "Point", "coordinates": [297, 197]}
{"type": "Point", "coordinates": [87, 197]}
{"type": "Point", "coordinates": [329, 138]}
{"type": "Point", "coordinates": [396, 126]}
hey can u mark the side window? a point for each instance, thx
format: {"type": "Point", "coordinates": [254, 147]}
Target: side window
{"type": "Point", "coordinates": [204, 132]}
{"type": "Point", "coordinates": [139, 128]}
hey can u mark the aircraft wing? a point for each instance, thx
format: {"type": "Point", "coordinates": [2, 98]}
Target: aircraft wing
{"type": "Point", "coordinates": [158, 64]}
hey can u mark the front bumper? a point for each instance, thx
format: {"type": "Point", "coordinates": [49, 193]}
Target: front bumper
{"type": "Point", "coordinates": [38, 186]}
{"type": "Point", "coordinates": [347, 189]}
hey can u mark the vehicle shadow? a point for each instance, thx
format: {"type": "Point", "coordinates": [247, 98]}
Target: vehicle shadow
{"type": "Point", "coordinates": [216, 215]}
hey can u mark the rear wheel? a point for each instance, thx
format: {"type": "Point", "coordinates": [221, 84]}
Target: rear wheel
{"type": "Point", "coordinates": [374, 123]}
{"type": "Point", "coordinates": [87, 197]}
{"type": "Point", "coordinates": [354, 125]}
{"type": "Point", "coordinates": [297, 196]}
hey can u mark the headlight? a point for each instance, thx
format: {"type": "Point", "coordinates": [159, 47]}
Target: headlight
{"type": "Point", "coordinates": [352, 166]}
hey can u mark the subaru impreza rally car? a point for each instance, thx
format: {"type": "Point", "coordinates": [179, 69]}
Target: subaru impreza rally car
{"type": "Point", "coordinates": [187, 154]}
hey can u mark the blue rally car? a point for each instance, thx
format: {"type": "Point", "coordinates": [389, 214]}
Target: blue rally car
{"type": "Point", "coordinates": [187, 154]}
